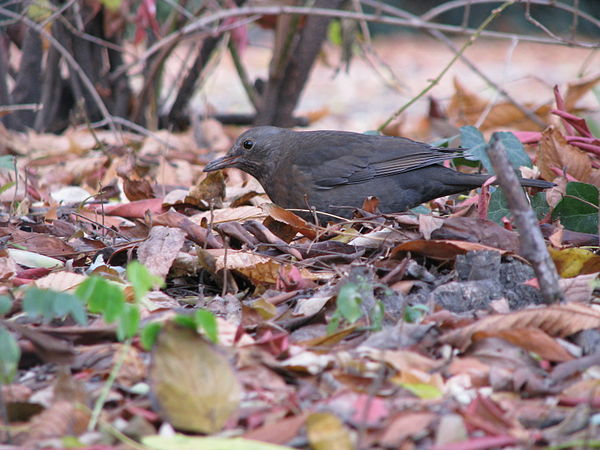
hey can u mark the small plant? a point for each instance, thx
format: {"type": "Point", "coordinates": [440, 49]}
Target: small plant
{"type": "Point", "coordinates": [350, 307]}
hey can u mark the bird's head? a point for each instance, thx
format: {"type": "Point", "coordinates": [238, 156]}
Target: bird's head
{"type": "Point", "coordinates": [254, 151]}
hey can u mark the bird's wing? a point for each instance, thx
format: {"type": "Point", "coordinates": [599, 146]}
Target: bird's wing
{"type": "Point", "coordinates": [364, 157]}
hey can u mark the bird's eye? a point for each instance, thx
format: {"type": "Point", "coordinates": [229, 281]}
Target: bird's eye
{"type": "Point", "coordinates": [248, 144]}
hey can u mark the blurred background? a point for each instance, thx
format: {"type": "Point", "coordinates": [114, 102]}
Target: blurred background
{"type": "Point", "coordinates": [347, 64]}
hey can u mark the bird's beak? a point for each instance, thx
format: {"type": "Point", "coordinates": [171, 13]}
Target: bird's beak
{"type": "Point", "coordinates": [221, 163]}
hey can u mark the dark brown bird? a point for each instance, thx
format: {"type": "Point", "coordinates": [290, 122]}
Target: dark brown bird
{"type": "Point", "coordinates": [334, 171]}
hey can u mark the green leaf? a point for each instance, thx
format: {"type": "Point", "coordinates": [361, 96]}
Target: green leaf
{"type": "Point", "coordinates": [578, 210]}
{"type": "Point", "coordinates": [498, 206]}
{"type": "Point", "coordinates": [474, 143]}
{"type": "Point", "coordinates": [5, 304]}
{"type": "Point", "coordinates": [334, 33]}
{"type": "Point", "coordinates": [377, 315]}
{"type": "Point", "coordinates": [53, 305]}
{"type": "Point", "coordinates": [473, 140]}
{"type": "Point", "coordinates": [141, 279]}
{"type": "Point", "coordinates": [39, 10]}
{"type": "Point", "coordinates": [348, 302]}
{"type": "Point", "coordinates": [6, 186]}
{"type": "Point", "coordinates": [443, 142]}
{"type": "Point", "coordinates": [424, 391]}
{"type": "Point", "coordinates": [129, 322]}
{"type": "Point", "coordinates": [540, 205]}
{"type": "Point", "coordinates": [7, 162]}
{"type": "Point", "coordinates": [185, 320]}
{"type": "Point", "coordinates": [149, 334]}
{"type": "Point", "coordinates": [208, 322]}
{"type": "Point", "coordinates": [102, 296]}
{"type": "Point", "coordinates": [112, 5]}
{"type": "Point", "coordinates": [334, 322]}
{"type": "Point", "coordinates": [414, 313]}
{"type": "Point", "coordinates": [9, 356]}
{"type": "Point", "coordinates": [517, 156]}
{"type": "Point", "coordinates": [420, 210]}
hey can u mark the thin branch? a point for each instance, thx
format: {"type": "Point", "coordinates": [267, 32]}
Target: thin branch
{"type": "Point", "coordinates": [532, 242]}
{"type": "Point", "coordinates": [445, 7]}
{"type": "Point", "coordinates": [133, 126]}
{"type": "Point", "coordinates": [243, 75]}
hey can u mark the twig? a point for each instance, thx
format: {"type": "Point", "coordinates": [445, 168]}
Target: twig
{"type": "Point", "coordinates": [21, 107]}
{"type": "Point", "coordinates": [532, 242]}
{"type": "Point", "coordinates": [436, 80]}
{"type": "Point", "coordinates": [133, 126]}
{"type": "Point", "coordinates": [242, 74]}
{"type": "Point", "coordinates": [108, 384]}
{"type": "Point", "coordinates": [445, 7]}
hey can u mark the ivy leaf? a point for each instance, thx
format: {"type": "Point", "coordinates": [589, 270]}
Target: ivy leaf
{"type": "Point", "coordinates": [149, 334]}
{"type": "Point", "coordinates": [5, 304]}
{"type": "Point", "coordinates": [207, 321]}
{"type": "Point", "coordinates": [102, 296]}
{"type": "Point", "coordinates": [578, 210]}
{"type": "Point", "coordinates": [141, 279]}
{"type": "Point", "coordinates": [9, 356]}
{"type": "Point", "coordinates": [348, 302]}
{"type": "Point", "coordinates": [51, 305]}
{"type": "Point", "coordinates": [129, 322]}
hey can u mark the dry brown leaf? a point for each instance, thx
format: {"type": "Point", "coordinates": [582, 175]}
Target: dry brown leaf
{"type": "Point", "coordinates": [507, 115]}
{"type": "Point", "coordinates": [238, 214]}
{"type": "Point", "coordinates": [405, 426]}
{"type": "Point", "coordinates": [208, 193]}
{"type": "Point", "coordinates": [428, 223]}
{"type": "Point", "coordinates": [63, 418]}
{"type": "Point", "coordinates": [401, 360]}
{"type": "Point", "coordinates": [327, 432]}
{"type": "Point", "coordinates": [135, 189]}
{"type": "Point", "coordinates": [8, 266]}
{"type": "Point", "coordinates": [193, 382]}
{"type": "Point", "coordinates": [533, 340]}
{"type": "Point", "coordinates": [159, 251]}
{"type": "Point", "coordinates": [441, 249]}
{"type": "Point", "coordinates": [60, 281]}
{"type": "Point", "coordinates": [259, 269]}
{"type": "Point", "coordinates": [289, 218]}
{"type": "Point", "coordinates": [578, 289]}
{"type": "Point", "coordinates": [554, 153]}
{"type": "Point", "coordinates": [556, 320]}
{"type": "Point", "coordinates": [278, 432]}
{"type": "Point", "coordinates": [577, 89]}
{"type": "Point", "coordinates": [466, 108]}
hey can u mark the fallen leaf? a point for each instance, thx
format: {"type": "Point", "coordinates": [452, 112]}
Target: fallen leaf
{"type": "Point", "coordinates": [326, 432]}
{"type": "Point", "coordinates": [159, 251]}
{"type": "Point", "coordinates": [405, 426]}
{"type": "Point", "coordinates": [555, 155]}
{"type": "Point", "coordinates": [555, 320]}
{"type": "Point", "coordinates": [192, 381]}
{"type": "Point", "coordinates": [441, 249]}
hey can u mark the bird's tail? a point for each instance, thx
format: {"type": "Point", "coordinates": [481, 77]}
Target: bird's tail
{"type": "Point", "coordinates": [542, 184]}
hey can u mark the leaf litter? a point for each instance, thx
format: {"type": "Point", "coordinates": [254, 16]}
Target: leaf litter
{"type": "Point", "coordinates": [416, 330]}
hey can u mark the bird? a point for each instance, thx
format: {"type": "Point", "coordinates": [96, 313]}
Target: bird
{"type": "Point", "coordinates": [330, 172]}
